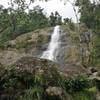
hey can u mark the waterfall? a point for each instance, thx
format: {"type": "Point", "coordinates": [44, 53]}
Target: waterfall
{"type": "Point", "coordinates": [52, 51]}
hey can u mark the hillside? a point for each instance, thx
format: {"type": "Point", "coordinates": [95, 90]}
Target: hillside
{"type": "Point", "coordinates": [34, 43]}
{"type": "Point", "coordinates": [50, 57]}
{"type": "Point", "coordinates": [23, 73]}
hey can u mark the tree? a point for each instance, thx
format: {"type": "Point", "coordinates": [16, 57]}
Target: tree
{"type": "Point", "coordinates": [15, 20]}
{"type": "Point", "coordinates": [91, 17]}
{"type": "Point", "coordinates": [37, 18]}
{"type": "Point", "coordinates": [55, 19]}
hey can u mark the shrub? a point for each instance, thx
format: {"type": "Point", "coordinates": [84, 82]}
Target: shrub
{"type": "Point", "coordinates": [84, 95]}
{"type": "Point", "coordinates": [34, 93]}
{"type": "Point", "coordinates": [76, 84]}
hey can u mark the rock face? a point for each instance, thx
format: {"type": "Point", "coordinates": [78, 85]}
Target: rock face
{"type": "Point", "coordinates": [31, 63]}
{"type": "Point", "coordinates": [34, 43]}
{"type": "Point", "coordinates": [71, 70]}
{"type": "Point", "coordinates": [8, 57]}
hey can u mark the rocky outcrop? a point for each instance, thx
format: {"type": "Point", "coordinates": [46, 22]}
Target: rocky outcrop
{"type": "Point", "coordinates": [30, 63]}
{"type": "Point", "coordinates": [34, 43]}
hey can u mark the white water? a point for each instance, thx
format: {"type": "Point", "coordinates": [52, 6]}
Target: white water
{"type": "Point", "coordinates": [53, 47]}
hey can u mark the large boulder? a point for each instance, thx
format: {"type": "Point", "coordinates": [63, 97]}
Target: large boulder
{"type": "Point", "coordinates": [27, 62]}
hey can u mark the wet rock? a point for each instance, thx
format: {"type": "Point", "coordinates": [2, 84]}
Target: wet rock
{"type": "Point", "coordinates": [70, 70]}
{"type": "Point", "coordinates": [44, 47]}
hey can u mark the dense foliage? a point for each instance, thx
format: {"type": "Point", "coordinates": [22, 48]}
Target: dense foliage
{"type": "Point", "coordinates": [16, 22]}
{"type": "Point", "coordinates": [18, 19]}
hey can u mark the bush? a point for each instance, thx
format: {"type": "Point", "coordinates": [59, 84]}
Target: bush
{"type": "Point", "coordinates": [77, 84]}
{"type": "Point", "coordinates": [84, 95]}
{"type": "Point", "coordinates": [35, 93]}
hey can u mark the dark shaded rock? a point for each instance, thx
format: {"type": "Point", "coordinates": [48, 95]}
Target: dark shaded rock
{"type": "Point", "coordinates": [30, 63]}
{"type": "Point", "coordinates": [73, 70]}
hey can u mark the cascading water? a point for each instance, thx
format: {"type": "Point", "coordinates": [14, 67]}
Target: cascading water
{"type": "Point", "coordinates": [52, 51]}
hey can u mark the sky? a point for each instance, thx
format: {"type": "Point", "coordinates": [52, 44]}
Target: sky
{"type": "Point", "coordinates": [52, 6]}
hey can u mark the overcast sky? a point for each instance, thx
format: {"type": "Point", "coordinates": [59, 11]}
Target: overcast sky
{"type": "Point", "coordinates": [52, 6]}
